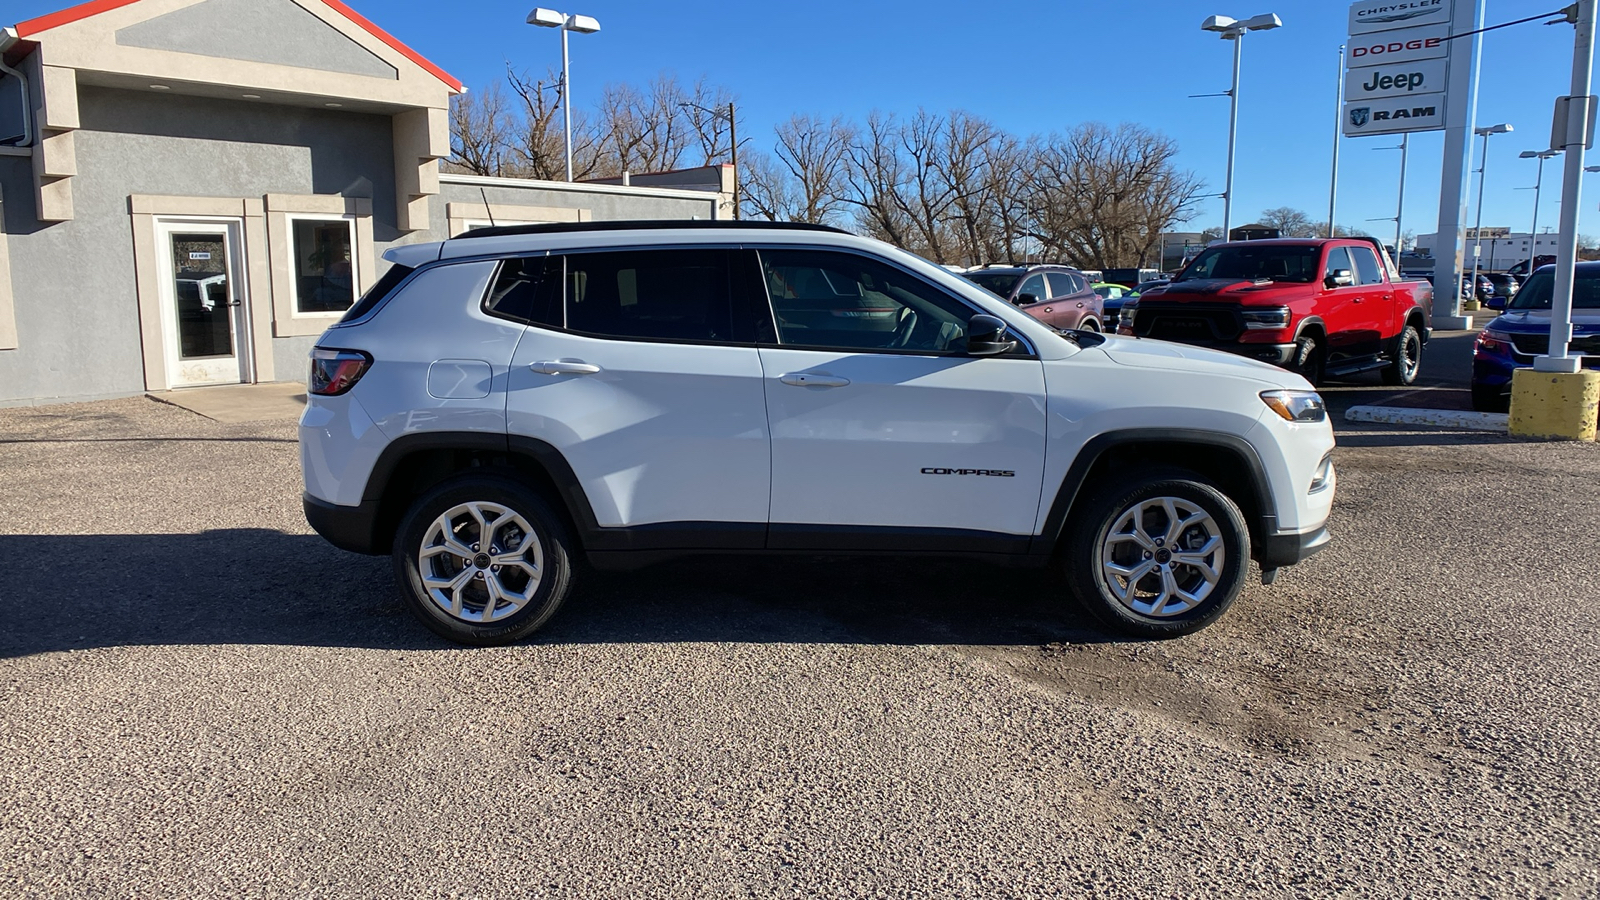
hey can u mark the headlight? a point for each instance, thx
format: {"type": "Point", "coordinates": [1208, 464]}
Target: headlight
{"type": "Point", "coordinates": [1125, 316]}
{"type": "Point", "coordinates": [1267, 318]}
{"type": "Point", "coordinates": [1296, 406]}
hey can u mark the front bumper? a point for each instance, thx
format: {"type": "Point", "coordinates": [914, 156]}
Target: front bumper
{"type": "Point", "coordinates": [352, 528]}
{"type": "Point", "coordinates": [1279, 550]}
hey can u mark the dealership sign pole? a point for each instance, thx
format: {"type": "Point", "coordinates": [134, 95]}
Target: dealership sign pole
{"type": "Point", "coordinates": [1573, 130]}
{"type": "Point", "coordinates": [1407, 74]}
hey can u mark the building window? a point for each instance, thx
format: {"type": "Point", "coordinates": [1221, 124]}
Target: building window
{"type": "Point", "coordinates": [324, 265]}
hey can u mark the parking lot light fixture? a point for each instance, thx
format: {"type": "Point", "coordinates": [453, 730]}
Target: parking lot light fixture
{"type": "Point", "coordinates": [1538, 183]}
{"type": "Point", "coordinates": [1231, 29]}
{"type": "Point", "coordinates": [1477, 229]}
{"type": "Point", "coordinates": [549, 18]}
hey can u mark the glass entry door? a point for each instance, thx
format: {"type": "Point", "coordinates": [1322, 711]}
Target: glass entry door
{"type": "Point", "coordinates": [204, 305]}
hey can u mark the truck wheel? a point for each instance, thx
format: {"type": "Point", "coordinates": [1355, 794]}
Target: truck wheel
{"type": "Point", "coordinates": [1310, 358]}
{"type": "Point", "coordinates": [482, 560]}
{"type": "Point", "coordinates": [1159, 556]}
{"type": "Point", "coordinates": [1406, 358]}
{"type": "Point", "coordinates": [1488, 398]}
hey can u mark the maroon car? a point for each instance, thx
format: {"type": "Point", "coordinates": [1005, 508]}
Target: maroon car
{"type": "Point", "coordinates": [1055, 295]}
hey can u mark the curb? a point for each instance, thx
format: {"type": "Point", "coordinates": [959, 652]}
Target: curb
{"type": "Point", "coordinates": [1440, 418]}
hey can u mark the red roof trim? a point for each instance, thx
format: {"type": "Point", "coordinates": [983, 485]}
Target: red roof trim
{"type": "Point", "coordinates": [450, 80]}
{"type": "Point", "coordinates": [70, 14]}
{"type": "Point", "coordinates": [96, 7]}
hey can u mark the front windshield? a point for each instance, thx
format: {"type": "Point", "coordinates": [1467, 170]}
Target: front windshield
{"type": "Point", "coordinates": [999, 283]}
{"type": "Point", "coordinates": [1250, 263]}
{"type": "Point", "coordinates": [1536, 294]}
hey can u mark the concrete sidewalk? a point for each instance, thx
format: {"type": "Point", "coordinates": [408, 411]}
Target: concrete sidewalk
{"type": "Point", "coordinates": [240, 402]}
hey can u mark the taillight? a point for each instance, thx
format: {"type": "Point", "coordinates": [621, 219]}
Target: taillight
{"type": "Point", "coordinates": [335, 371]}
{"type": "Point", "coordinates": [1494, 342]}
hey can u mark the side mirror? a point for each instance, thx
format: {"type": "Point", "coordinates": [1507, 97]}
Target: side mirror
{"type": "Point", "coordinates": [986, 336]}
{"type": "Point", "coordinates": [1339, 278]}
{"type": "Point", "coordinates": [1026, 299]}
{"type": "Point", "coordinates": [1496, 302]}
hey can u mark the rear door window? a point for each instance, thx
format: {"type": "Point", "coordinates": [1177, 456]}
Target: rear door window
{"type": "Point", "coordinates": [661, 295]}
{"type": "Point", "coordinates": [1367, 271]}
{"type": "Point", "coordinates": [1062, 285]}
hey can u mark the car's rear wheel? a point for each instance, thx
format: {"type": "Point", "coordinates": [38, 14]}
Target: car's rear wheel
{"type": "Point", "coordinates": [1160, 556]}
{"type": "Point", "coordinates": [483, 560]}
{"type": "Point", "coordinates": [1090, 325]}
{"type": "Point", "coordinates": [1406, 358]}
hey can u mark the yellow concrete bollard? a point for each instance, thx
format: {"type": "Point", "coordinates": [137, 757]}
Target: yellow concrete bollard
{"type": "Point", "coordinates": [1554, 404]}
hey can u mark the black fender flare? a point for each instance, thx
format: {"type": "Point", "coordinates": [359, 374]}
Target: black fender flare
{"type": "Point", "coordinates": [1309, 321]}
{"type": "Point", "coordinates": [1264, 523]}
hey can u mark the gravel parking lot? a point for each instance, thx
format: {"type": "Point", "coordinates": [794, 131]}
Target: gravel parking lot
{"type": "Point", "coordinates": [202, 698]}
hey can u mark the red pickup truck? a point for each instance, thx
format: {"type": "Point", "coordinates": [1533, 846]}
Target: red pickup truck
{"type": "Point", "coordinates": [1319, 307]}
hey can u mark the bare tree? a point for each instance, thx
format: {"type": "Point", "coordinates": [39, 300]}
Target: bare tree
{"type": "Point", "coordinates": [539, 146]}
{"type": "Point", "coordinates": [1109, 194]}
{"type": "Point", "coordinates": [1290, 222]}
{"type": "Point", "coordinates": [875, 178]}
{"type": "Point", "coordinates": [816, 156]}
{"type": "Point", "coordinates": [480, 132]}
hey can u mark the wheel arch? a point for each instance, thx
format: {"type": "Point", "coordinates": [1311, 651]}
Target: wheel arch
{"type": "Point", "coordinates": [1228, 461]}
{"type": "Point", "coordinates": [1312, 323]}
{"type": "Point", "coordinates": [413, 464]}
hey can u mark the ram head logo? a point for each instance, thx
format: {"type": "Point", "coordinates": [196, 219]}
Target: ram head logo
{"type": "Point", "coordinates": [1359, 116]}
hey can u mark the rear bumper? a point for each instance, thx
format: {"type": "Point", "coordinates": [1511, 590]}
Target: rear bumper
{"type": "Point", "coordinates": [352, 528]}
{"type": "Point", "coordinates": [1279, 550]}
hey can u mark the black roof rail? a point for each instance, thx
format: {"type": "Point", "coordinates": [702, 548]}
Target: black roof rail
{"type": "Point", "coordinates": [643, 225]}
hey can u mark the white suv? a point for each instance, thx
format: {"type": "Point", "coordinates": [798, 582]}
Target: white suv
{"type": "Point", "coordinates": [505, 402]}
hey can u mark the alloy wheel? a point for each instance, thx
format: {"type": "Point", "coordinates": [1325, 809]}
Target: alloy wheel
{"type": "Point", "coordinates": [480, 562]}
{"type": "Point", "coordinates": [1163, 556]}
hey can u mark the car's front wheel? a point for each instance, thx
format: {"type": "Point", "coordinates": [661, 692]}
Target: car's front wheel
{"type": "Point", "coordinates": [483, 560]}
{"type": "Point", "coordinates": [1158, 556]}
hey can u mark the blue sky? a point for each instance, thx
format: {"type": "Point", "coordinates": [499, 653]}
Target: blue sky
{"type": "Point", "coordinates": [1034, 66]}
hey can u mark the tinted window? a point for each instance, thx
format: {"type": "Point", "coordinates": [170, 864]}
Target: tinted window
{"type": "Point", "coordinates": [998, 282]}
{"type": "Point", "coordinates": [1062, 284]}
{"type": "Point", "coordinates": [1338, 258]}
{"type": "Point", "coordinates": [527, 290]}
{"type": "Point", "coordinates": [1033, 285]}
{"type": "Point", "coordinates": [1367, 271]}
{"type": "Point", "coordinates": [668, 295]}
{"type": "Point", "coordinates": [375, 294]}
{"type": "Point", "coordinates": [1540, 290]}
{"type": "Point", "coordinates": [826, 299]}
{"type": "Point", "coordinates": [1258, 262]}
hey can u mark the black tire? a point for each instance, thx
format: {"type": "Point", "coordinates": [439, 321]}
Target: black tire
{"type": "Point", "coordinates": [1405, 358]}
{"type": "Point", "coordinates": [1310, 358]}
{"type": "Point", "coordinates": [1092, 526]}
{"type": "Point", "coordinates": [552, 560]}
{"type": "Point", "coordinates": [1090, 325]}
{"type": "Point", "coordinates": [1488, 398]}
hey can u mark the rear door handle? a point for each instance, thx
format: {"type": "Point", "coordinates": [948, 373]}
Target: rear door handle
{"type": "Point", "coordinates": [813, 379]}
{"type": "Point", "coordinates": [564, 367]}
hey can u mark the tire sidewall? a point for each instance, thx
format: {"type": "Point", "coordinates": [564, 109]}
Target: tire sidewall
{"type": "Point", "coordinates": [554, 584]}
{"type": "Point", "coordinates": [1089, 579]}
{"type": "Point", "coordinates": [1397, 373]}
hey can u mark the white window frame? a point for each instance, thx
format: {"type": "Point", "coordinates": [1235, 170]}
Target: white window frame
{"type": "Point", "coordinates": [282, 210]}
{"type": "Point", "coordinates": [357, 276]}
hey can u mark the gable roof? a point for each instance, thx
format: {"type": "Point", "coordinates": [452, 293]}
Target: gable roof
{"type": "Point", "coordinates": [82, 11]}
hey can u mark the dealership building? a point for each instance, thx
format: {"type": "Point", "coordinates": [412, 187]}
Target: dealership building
{"type": "Point", "coordinates": [192, 190]}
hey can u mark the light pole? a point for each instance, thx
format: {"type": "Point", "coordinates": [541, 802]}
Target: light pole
{"type": "Point", "coordinates": [1400, 205]}
{"type": "Point", "coordinates": [1538, 184]}
{"type": "Point", "coordinates": [549, 18]}
{"type": "Point", "coordinates": [733, 139]}
{"type": "Point", "coordinates": [1338, 122]}
{"type": "Point", "coordinates": [1233, 30]}
{"type": "Point", "coordinates": [1477, 230]}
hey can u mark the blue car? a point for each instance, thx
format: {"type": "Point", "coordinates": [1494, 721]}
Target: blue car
{"type": "Point", "coordinates": [1522, 331]}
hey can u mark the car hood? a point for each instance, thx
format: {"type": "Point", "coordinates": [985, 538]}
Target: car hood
{"type": "Point", "coordinates": [1230, 290]}
{"type": "Point", "coordinates": [1147, 353]}
{"type": "Point", "coordinates": [1537, 321]}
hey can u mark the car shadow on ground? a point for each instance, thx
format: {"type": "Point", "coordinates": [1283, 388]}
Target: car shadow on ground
{"type": "Point", "coordinates": [1348, 436]}
{"type": "Point", "coordinates": [256, 586]}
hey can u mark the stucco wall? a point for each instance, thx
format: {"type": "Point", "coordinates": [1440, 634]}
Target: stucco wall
{"type": "Point", "coordinates": [76, 305]}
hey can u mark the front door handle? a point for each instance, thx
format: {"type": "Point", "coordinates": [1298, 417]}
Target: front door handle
{"type": "Point", "coordinates": [564, 367]}
{"type": "Point", "coordinates": [813, 379]}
